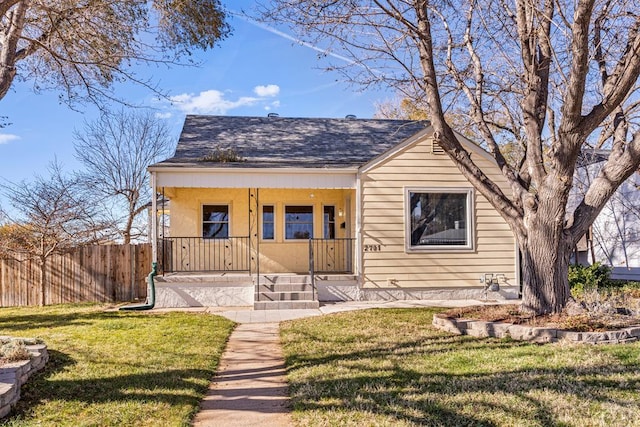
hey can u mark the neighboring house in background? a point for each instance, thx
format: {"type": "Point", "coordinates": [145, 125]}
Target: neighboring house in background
{"type": "Point", "coordinates": [614, 239]}
{"type": "Point", "coordinates": [282, 212]}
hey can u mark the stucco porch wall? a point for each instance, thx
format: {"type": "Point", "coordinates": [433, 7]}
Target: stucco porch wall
{"type": "Point", "coordinates": [391, 266]}
{"type": "Point", "coordinates": [172, 295]}
{"type": "Point", "coordinates": [278, 255]}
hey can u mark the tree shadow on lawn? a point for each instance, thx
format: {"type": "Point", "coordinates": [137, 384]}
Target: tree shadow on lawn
{"type": "Point", "coordinates": [377, 381]}
{"type": "Point", "coordinates": [172, 386]}
{"type": "Point", "coordinates": [439, 343]}
{"type": "Point", "coordinates": [20, 323]}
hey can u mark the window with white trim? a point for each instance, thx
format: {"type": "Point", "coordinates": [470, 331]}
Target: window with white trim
{"type": "Point", "coordinates": [329, 222]}
{"type": "Point", "coordinates": [215, 221]}
{"type": "Point", "coordinates": [298, 222]}
{"type": "Point", "coordinates": [439, 219]}
{"type": "Point", "coordinates": [268, 223]}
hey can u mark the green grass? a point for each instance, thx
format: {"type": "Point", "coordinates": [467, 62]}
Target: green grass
{"type": "Point", "coordinates": [116, 368]}
{"type": "Point", "coordinates": [392, 368]}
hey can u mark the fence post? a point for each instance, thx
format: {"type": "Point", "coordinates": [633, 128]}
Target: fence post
{"type": "Point", "coordinates": [132, 272]}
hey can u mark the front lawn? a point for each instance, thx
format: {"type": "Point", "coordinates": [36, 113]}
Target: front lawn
{"type": "Point", "coordinates": [116, 368]}
{"type": "Point", "coordinates": [392, 368]}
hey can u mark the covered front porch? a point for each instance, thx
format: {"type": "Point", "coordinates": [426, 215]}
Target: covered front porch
{"type": "Point", "coordinates": [255, 242]}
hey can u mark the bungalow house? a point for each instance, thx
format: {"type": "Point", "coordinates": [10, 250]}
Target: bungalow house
{"type": "Point", "coordinates": [284, 212]}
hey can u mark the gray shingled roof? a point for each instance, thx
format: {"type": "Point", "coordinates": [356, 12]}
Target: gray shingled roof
{"type": "Point", "coordinates": [289, 142]}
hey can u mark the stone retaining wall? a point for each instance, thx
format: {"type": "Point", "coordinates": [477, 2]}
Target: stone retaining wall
{"type": "Point", "coordinates": [14, 375]}
{"type": "Point", "coordinates": [479, 328]}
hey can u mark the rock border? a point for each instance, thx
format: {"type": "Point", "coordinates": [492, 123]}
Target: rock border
{"type": "Point", "coordinates": [14, 375]}
{"type": "Point", "coordinates": [482, 329]}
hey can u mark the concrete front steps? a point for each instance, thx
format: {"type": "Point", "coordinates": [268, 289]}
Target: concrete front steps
{"type": "Point", "coordinates": [275, 292]}
{"type": "Point", "coordinates": [285, 292]}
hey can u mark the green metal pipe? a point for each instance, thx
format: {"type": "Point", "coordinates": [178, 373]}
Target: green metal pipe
{"type": "Point", "coordinates": [151, 293]}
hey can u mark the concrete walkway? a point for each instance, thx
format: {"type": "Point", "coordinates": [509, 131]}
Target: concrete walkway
{"type": "Point", "coordinates": [250, 387]}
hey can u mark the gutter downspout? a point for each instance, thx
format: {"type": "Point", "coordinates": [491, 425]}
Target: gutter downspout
{"type": "Point", "coordinates": [151, 287]}
{"type": "Point", "coordinates": [151, 293]}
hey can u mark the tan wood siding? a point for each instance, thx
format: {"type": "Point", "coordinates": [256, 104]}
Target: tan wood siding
{"type": "Point", "coordinates": [383, 210]}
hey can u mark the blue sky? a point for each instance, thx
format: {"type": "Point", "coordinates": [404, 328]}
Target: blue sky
{"type": "Point", "coordinates": [254, 72]}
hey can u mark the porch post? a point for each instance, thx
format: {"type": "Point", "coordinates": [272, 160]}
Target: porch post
{"type": "Point", "coordinates": [154, 219]}
{"type": "Point", "coordinates": [358, 254]}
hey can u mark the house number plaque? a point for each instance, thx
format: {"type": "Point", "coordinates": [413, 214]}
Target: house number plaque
{"type": "Point", "coordinates": [372, 248]}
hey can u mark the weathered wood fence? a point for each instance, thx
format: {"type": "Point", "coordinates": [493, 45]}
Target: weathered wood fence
{"type": "Point", "coordinates": [105, 273]}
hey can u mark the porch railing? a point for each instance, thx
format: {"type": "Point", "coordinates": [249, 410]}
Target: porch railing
{"type": "Point", "coordinates": [195, 254]}
{"type": "Point", "coordinates": [331, 255]}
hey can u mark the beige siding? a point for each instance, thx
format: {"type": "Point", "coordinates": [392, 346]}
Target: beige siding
{"type": "Point", "coordinates": [383, 223]}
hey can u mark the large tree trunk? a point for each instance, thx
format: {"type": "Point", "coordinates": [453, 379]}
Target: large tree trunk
{"type": "Point", "coordinates": [545, 280]}
{"type": "Point", "coordinates": [545, 257]}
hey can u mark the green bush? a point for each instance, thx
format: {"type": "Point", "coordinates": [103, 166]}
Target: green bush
{"type": "Point", "coordinates": [588, 278]}
{"type": "Point", "coordinates": [632, 289]}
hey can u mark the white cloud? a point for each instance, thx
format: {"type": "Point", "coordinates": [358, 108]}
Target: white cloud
{"type": "Point", "coordinates": [6, 138]}
{"type": "Point", "coordinates": [166, 115]}
{"type": "Point", "coordinates": [274, 104]}
{"type": "Point", "coordinates": [267, 91]}
{"type": "Point", "coordinates": [209, 102]}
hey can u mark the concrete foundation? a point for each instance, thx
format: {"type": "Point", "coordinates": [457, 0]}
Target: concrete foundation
{"type": "Point", "coordinates": [239, 291]}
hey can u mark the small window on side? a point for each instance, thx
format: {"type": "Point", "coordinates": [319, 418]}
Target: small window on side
{"type": "Point", "coordinates": [329, 222]}
{"type": "Point", "coordinates": [268, 223]}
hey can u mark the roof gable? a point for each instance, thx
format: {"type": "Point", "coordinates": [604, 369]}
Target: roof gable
{"type": "Point", "coordinates": [289, 142]}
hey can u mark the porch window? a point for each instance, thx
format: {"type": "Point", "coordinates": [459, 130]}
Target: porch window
{"type": "Point", "coordinates": [439, 219]}
{"type": "Point", "coordinates": [268, 223]}
{"type": "Point", "coordinates": [329, 221]}
{"type": "Point", "coordinates": [298, 222]}
{"type": "Point", "coordinates": [215, 221]}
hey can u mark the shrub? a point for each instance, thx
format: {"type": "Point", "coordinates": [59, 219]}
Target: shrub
{"type": "Point", "coordinates": [587, 278]}
{"type": "Point", "coordinates": [632, 289]}
{"type": "Point", "coordinates": [14, 350]}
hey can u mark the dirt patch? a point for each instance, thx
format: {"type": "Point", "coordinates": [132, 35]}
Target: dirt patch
{"type": "Point", "coordinates": [583, 321]}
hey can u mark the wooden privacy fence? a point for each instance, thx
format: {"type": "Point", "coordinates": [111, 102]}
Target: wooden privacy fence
{"type": "Point", "coordinates": [104, 273]}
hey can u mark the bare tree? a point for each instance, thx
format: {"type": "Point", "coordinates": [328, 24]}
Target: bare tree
{"type": "Point", "coordinates": [81, 48]}
{"type": "Point", "coordinates": [547, 75]}
{"type": "Point", "coordinates": [116, 150]}
{"type": "Point", "coordinates": [52, 215]}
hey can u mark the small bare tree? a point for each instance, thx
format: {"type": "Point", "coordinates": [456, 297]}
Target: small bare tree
{"type": "Point", "coordinates": [115, 151]}
{"type": "Point", "coordinates": [53, 214]}
{"type": "Point", "coordinates": [546, 75]}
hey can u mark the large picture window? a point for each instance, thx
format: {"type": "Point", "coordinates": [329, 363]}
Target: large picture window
{"type": "Point", "coordinates": [439, 219]}
{"type": "Point", "coordinates": [215, 221]}
{"type": "Point", "coordinates": [298, 222]}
